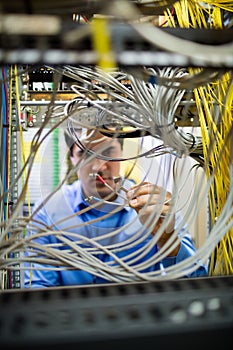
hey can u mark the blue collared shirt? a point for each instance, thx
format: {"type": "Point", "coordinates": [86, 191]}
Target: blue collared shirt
{"type": "Point", "coordinates": [132, 244]}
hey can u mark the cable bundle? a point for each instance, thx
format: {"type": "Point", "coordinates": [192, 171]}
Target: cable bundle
{"type": "Point", "coordinates": [214, 103]}
{"type": "Point", "coordinates": [148, 108]}
{"type": "Point", "coordinates": [154, 105]}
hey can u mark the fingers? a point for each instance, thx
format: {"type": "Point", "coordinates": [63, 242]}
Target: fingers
{"type": "Point", "coordinates": [149, 200]}
{"type": "Point", "coordinates": [150, 195]}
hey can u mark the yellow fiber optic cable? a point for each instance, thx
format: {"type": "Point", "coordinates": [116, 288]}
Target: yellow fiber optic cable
{"type": "Point", "coordinates": [102, 43]}
{"type": "Point", "coordinates": [169, 18]}
{"type": "Point", "coordinates": [9, 136]}
{"type": "Point", "coordinates": [22, 142]}
{"type": "Point", "coordinates": [8, 157]}
{"type": "Point", "coordinates": [218, 193]}
{"type": "Point", "coordinates": [18, 111]}
{"type": "Point", "coordinates": [21, 131]}
{"type": "Point", "coordinates": [222, 4]}
{"type": "Point", "coordinates": [199, 14]}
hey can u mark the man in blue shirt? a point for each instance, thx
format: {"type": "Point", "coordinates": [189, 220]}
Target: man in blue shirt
{"type": "Point", "coordinates": [103, 228]}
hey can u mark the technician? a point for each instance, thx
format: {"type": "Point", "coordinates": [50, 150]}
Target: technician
{"type": "Point", "coordinates": [106, 202]}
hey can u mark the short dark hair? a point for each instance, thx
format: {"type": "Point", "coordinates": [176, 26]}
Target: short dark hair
{"type": "Point", "coordinates": [70, 140]}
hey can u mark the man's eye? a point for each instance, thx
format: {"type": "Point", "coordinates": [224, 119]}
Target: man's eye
{"type": "Point", "coordinates": [79, 153]}
{"type": "Point", "coordinates": [83, 154]}
{"type": "Point", "coordinates": [108, 152]}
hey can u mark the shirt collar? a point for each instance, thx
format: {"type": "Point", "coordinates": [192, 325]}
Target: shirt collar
{"type": "Point", "coordinates": [78, 197]}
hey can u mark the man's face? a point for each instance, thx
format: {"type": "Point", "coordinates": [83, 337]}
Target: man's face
{"type": "Point", "coordinates": [91, 165]}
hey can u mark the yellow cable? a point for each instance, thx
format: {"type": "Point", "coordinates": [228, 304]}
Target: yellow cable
{"type": "Point", "coordinates": [197, 14]}
{"type": "Point", "coordinates": [22, 143]}
{"type": "Point", "coordinates": [102, 43]}
{"type": "Point", "coordinates": [9, 152]}
{"type": "Point", "coordinates": [222, 4]}
{"type": "Point", "coordinates": [9, 137]}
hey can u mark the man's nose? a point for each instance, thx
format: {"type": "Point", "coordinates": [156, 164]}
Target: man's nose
{"type": "Point", "coordinates": [99, 164]}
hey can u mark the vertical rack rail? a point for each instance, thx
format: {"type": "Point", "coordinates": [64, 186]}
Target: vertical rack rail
{"type": "Point", "coordinates": [14, 276]}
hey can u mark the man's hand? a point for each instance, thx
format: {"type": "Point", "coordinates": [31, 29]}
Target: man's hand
{"type": "Point", "coordinates": [148, 200]}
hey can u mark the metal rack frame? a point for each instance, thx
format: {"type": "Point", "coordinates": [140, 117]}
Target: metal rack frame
{"type": "Point", "coordinates": [187, 313]}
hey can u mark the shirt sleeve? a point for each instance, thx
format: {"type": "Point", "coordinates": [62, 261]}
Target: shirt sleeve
{"type": "Point", "coordinates": [187, 250]}
{"type": "Point", "coordinates": [39, 275]}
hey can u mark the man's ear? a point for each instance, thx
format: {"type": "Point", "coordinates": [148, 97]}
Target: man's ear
{"type": "Point", "coordinates": [70, 164]}
{"type": "Point", "coordinates": [70, 158]}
